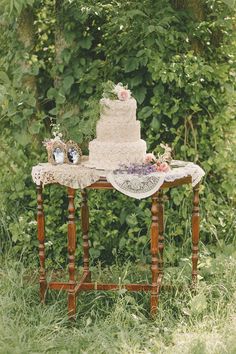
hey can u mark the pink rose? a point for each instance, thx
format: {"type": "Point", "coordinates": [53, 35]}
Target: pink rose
{"type": "Point", "coordinates": [124, 95]}
{"type": "Point", "coordinates": [150, 157]}
{"type": "Point", "coordinates": [162, 167]}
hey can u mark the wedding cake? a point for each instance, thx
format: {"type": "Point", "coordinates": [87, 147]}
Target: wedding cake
{"type": "Point", "coordinates": [118, 139]}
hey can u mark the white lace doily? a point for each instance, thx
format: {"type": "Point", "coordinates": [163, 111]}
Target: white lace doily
{"type": "Point", "coordinates": [136, 186]}
{"type": "Point", "coordinates": [74, 176]}
{"type": "Point", "coordinates": [143, 186]}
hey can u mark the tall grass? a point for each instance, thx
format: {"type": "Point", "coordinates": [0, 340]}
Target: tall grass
{"type": "Point", "coordinates": [118, 322]}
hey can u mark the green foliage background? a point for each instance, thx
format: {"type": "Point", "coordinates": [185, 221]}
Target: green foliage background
{"type": "Point", "coordinates": [178, 58]}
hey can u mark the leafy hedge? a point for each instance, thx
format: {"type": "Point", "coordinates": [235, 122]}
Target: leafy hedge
{"type": "Point", "coordinates": [178, 58]}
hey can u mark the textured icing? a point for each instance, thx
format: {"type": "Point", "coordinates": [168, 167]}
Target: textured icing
{"type": "Point", "coordinates": [118, 136]}
{"type": "Point", "coordinates": [118, 111]}
{"type": "Point", "coordinates": [110, 155]}
{"type": "Point", "coordinates": [117, 132]}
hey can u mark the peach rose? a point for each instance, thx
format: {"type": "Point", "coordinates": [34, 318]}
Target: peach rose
{"type": "Point", "coordinates": [124, 95]}
{"type": "Point", "coordinates": [162, 167]}
{"type": "Point", "coordinates": [150, 157]}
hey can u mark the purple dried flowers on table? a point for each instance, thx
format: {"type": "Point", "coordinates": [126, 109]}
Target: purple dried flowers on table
{"type": "Point", "coordinates": [135, 169]}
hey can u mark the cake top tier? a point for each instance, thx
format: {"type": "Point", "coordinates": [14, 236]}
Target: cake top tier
{"type": "Point", "coordinates": [115, 111]}
{"type": "Point", "coordinates": [117, 105]}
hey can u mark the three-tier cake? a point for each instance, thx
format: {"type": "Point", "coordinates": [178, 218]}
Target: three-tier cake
{"type": "Point", "coordinates": [118, 139]}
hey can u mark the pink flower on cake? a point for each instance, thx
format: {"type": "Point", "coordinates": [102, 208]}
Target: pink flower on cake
{"type": "Point", "coordinates": [124, 95]}
{"type": "Point", "coordinates": [162, 167]}
{"type": "Point", "coordinates": [150, 157]}
{"type": "Point", "coordinates": [122, 92]}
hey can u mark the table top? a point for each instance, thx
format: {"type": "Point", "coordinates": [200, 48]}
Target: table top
{"type": "Point", "coordinates": [134, 185]}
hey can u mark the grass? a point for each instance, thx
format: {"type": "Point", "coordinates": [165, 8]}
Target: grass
{"type": "Point", "coordinates": [118, 322]}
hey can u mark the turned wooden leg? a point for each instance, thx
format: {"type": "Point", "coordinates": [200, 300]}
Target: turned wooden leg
{"type": "Point", "coordinates": [85, 231]}
{"type": "Point", "coordinates": [154, 252]}
{"type": "Point", "coordinates": [71, 254]}
{"type": "Point", "coordinates": [41, 238]}
{"type": "Point", "coordinates": [161, 232]}
{"type": "Point", "coordinates": [195, 233]}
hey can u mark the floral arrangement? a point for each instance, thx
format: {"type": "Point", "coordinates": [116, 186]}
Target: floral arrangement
{"type": "Point", "coordinates": [114, 92]}
{"type": "Point", "coordinates": [162, 162]}
{"type": "Point", "coordinates": [151, 164]}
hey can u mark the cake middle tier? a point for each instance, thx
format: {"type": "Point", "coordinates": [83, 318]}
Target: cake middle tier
{"type": "Point", "coordinates": [110, 155]}
{"type": "Point", "coordinates": [118, 132]}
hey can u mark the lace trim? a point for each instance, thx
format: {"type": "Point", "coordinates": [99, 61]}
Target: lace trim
{"type": "Point", "coordinates": [143, 186]}
{"type": "Point", "coordinates": [66, 175]}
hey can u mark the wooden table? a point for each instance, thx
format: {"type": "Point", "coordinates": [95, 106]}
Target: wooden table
{"type": "Point", "coordinates": [73, 287]}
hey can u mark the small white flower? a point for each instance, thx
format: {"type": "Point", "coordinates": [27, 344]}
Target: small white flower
{"type": "Point", "coordinates": [119, 87]}
{"type": "Point", "coordinates": [33, 222]}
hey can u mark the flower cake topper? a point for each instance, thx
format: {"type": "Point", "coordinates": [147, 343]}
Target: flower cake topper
{"type": "Point", "coordinates": [114, 92]}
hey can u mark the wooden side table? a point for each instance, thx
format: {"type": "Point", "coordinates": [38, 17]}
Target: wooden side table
{"type": "Point", "coordinates": [73, 287]}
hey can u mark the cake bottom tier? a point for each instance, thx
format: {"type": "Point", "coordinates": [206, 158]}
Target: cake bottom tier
{"type": "Point", "coordinates": [109, 156]}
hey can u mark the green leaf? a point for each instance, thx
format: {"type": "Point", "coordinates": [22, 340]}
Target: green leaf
{"type": "Point", "coordinates": [66, 55]}
{"type": "Point", "coordinates": [31, 101]}
{"type": "Point", "coordinates": [131, 220]}
{"type": "Point", "coordinates": [52, 93]}
{"type": "Point", "coordinates": [131, 64]}
{"type": "Point", "coordinates": [230, 3]}
{"type": "Point", "coordinates": [155, 124]}
{"type": "Point", "coordinates": [146, 112]}
{"type": "Point", "coordinates": [135, 81]}
{"type": "Point", "coordinates": [53, 111]}
{"type": "Point", "coordinates": [134, 13]}
{"type": "Point", "coordinates": [140, 93]}
{"type": "Point", "coordinates": [151, 29]}
{"type": "Point", "coordinates": [86, 42]}
{"type": "Point", "coordinates": [18, 6]}
{"type": "Point", "coordinates": [60, 98]}
{"type": "Point", "coordinates": [35, 127]}
{"type": "Point", "coordinates": [67, 115]}
{"type": "Point", "coordinates": [68, 82]}
{"type": "Point", "coordinates": [23, 138]}
{"type": "Point", "coordinates": [4, 78]}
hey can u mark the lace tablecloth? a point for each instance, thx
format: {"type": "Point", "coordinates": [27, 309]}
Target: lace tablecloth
{"type": "Point", "coordinates": [133, 185]}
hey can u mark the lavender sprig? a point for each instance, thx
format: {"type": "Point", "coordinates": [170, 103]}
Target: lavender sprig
{"type": "Point", "coordinates": [135, 169]}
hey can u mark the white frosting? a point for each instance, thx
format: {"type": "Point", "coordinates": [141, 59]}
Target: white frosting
{"type": "Point", "coordinates": [118, 111]}
{"type": "Point", "coordinates": [117, 132]}
{"type": "Point", "coordinates": [118, 136]}
{"type": "Point", "coordinates": [109, 156]}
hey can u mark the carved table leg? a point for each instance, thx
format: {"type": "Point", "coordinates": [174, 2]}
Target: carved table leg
{"type": "Point", "coordinates": [161, 231]}
{"type": "Point", "coordinates": [71, 254]}
{"type": "Point", "coordinates": [195, 233]}
{"type": "Point", "coordinates": [41, 238]}
{"type": "Point", "coordinates": [154, 252]}
{"type": "Point", "coordinates": [85, 231]}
